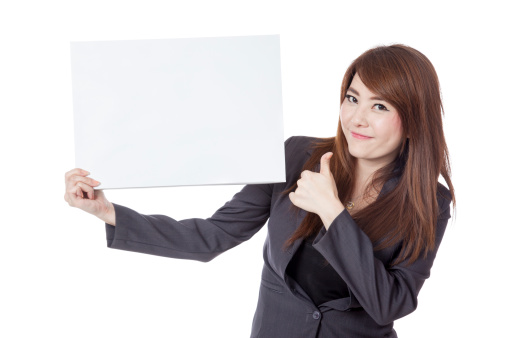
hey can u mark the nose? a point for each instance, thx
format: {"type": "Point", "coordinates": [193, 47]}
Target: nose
{"type": "Point", "coordinates": [359, 118]}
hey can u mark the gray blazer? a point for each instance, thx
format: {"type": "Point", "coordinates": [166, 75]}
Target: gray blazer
{"type": "Point", "coordinates": [378, 294]}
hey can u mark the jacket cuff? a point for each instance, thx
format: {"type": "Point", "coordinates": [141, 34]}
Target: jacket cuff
{"type": "Point", "coordinates": [111, 230]}
{"type": "Point", "coordinates": [342, 233]}
{"type": "Point", "coordinates": [342, 216]}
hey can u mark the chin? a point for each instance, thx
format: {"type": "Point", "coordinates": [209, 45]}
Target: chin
{"type": "Point", "coordinates": [355, 153]}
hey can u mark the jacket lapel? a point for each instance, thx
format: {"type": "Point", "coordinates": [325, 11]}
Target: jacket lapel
{"type": "Point", "coordinates": [293, 286]}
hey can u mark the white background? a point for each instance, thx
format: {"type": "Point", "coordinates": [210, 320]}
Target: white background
{"type": "Point", "coordinates": [58, 278]}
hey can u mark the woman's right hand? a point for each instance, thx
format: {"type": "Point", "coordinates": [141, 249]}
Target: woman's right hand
{"type": "Point", "coordinates": [79, 193]}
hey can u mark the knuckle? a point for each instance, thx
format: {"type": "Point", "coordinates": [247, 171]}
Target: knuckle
{"type": "Point", "coordinates": [71, 173]}
{"type": "Point", "coordinates": [68, 199]}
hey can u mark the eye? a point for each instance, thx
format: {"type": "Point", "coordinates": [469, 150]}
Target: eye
{"type": "Point", "coordinates": [380, 107]}
{"type": "Point", "coordinates": [351, 98]}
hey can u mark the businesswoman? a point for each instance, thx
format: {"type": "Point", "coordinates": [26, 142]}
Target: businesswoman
{"type": "Point", "coordinates": [354, 230]}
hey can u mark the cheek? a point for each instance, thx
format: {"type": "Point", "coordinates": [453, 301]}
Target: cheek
{"type": "Point", "coordinates": [344, 115]}
{"type": "Point", "coordinates": [389, 128]}
{"type": "Point", "coordinates": [397, 127]}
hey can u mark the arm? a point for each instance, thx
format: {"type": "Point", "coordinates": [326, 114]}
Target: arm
{"type": "Point", "coordinates": [194, 238]}
{"type": "Point", "coordinates": [386, 294]}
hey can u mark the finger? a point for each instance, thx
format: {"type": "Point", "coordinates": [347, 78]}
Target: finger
{"type": "Point", "coordinates": [76, 171]}
{"type": "Point", "coordinates": [70, 198]}
{"type": "Point", "coordinates": [86, 180]}
{"type": "Point", "coordinates": [325, 163]}
{"type": "Point", "coordinates": [75, 200]}
{"type": "Point", "coordinates": [85, 188]}
{"type": "Point", "coordinates": [294, 199]}
{"type": "Point", "coordinates": [79, 193]}
{"type": "Point", "coordinates": [77, 190]}
{"type": "Point", "coordinates": [74, 175]}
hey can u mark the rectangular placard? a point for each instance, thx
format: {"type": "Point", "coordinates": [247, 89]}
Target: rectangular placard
{"type": "Point", "coordinates": [178, 112]}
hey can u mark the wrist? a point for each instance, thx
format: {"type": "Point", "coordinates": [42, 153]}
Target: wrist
{"type": "Point", "coordinates": [329, 214]}
{"type": "Point", "coordinates": [109, 216]}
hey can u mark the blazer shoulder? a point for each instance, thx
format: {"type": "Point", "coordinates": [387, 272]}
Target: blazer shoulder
{"type": "Point", "coordinates": [301, 142]}
{"type": "Point", "coordinates": [444, 199]}
{"type": "Point", "coordinates": [297, 151]}
{"type": "Point", "coordinates": [300, 139]}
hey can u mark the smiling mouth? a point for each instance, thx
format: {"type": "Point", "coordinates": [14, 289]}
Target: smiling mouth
{"type": "Point", "coordinates": [359, 136]}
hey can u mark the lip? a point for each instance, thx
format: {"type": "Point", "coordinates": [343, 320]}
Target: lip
{"type": "Point", "coordinates": [359, 136]}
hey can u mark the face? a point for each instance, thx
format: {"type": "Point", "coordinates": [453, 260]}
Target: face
{"type": "Point", "coordinates": [371, 126]}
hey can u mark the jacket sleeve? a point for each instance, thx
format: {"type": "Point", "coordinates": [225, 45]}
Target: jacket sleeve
{"type": "Point", "coordinates": [385, 293]}
{"type": "Point", "coordinates": [197, 239]}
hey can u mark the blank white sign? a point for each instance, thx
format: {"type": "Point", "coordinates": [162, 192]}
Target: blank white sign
{"type": "Point", "coordinates": [173, 112]}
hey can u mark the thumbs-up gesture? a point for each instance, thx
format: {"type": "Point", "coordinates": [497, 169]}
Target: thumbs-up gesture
{"type": "Point", "coordinates": [317, 192]}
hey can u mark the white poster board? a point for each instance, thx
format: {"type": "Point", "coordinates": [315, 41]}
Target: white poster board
{"type": "Point", "coordinates": [176, 112]}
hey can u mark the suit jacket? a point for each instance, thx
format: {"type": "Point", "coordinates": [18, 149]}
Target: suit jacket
{"type": "Point", "coordinates": [378, 293]}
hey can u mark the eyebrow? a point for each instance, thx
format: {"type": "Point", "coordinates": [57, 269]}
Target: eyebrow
{"type": "Point", "coordinates": [371, 98]}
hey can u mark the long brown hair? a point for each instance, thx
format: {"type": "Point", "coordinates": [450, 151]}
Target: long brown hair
{"type": "Point", "coordinates": [406, 79]}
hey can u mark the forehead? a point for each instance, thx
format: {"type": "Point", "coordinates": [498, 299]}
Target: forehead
{"type": "Point", "coordinates": [359, 86]}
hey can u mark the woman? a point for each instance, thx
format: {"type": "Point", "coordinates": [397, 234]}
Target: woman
{"type": "Point", "coordinates": [353, 232]}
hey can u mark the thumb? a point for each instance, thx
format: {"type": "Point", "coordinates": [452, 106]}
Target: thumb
{"type": "Point", "coordinates": [324, 163]}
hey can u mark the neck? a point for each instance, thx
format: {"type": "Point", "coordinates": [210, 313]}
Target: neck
{"type": "Point", "coordinates": [365, 170]}
{"type": "Point", "coordinates": [364, 175]}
